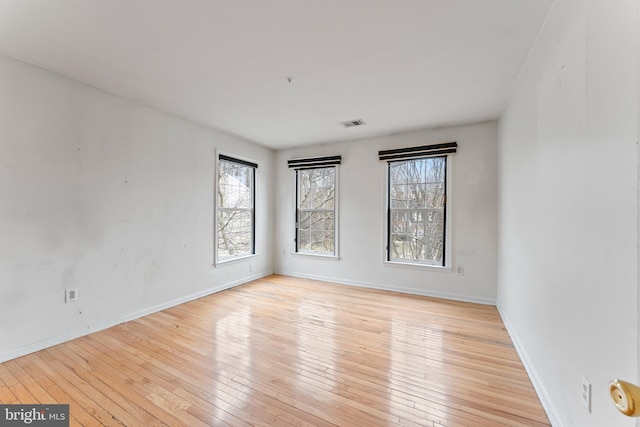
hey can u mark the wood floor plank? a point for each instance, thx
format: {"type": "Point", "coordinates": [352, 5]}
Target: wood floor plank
{"type": "Point", "coordinates": [49, 379]}
{"type": "Point", "coordinates": [290, 352]}
{"type": "Point", "coordinates": [81, 363]}
{"type": "Point", "coordinates": [7, 396]}
{"type": "Point", "coordinates": [18, 384]}
{"type": "Point", "coordinates": [38, 390]}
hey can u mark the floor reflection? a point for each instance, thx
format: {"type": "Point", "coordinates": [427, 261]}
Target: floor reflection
{"type": "Point", "coordinates": [316, 351]}
{"type": "Point", "coordinates": [234, 350]}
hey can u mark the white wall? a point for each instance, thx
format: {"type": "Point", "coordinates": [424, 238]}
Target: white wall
{"type": "Point", "coordinates": [568, 284]}
{"type": "Point", "coordinates": [473, 199]}
{"type": "Point", "coordinates": [116, 199]}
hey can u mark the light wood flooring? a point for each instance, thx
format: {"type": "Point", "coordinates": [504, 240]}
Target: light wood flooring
{"type": "Point", "coordinates": [283, 351]}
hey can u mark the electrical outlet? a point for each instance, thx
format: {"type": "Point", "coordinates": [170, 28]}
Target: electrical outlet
{"type": "Point", "coordinates": [586, 393]}
{"type": "Point", "coordinates": [71, 295]}
{"type": "Point", "coordinates": [460, 270]}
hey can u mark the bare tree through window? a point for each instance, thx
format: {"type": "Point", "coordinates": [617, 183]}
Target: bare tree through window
{"type": "Point", "coordinates": [235, 209]}
{"type": "Point", "coordinates": [417, 210]}
{"type": "Point", "coordinates": [316, 210]}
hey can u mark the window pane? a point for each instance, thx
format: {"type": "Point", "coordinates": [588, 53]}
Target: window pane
{"type": "Point", "coordinates": [305, 220]}
{"type": "Point", "coordinates": [317, 230]}
{"type": "Point", "coordinates": [304, 239]}
{"type": "Point", "coordinates": [416, 210]}
{"type": "Point", "coordinates": [330, 223]}
{"type": "Point", "coordinates": [234, 232]}
{"type": "Point", "coordinates": [398, 222]}
{"type": "Point", "coordinates": [434, 195]}
{"type": "Point", "coordinates": [415, 171]}
{"type": "Point", "coordinates": [417, 196]}
{"type": "Point", "coordinates": [399, 195]}
{"type": "Point", "coordinates": [316, 188]}
{"type": "Point", "coordinates": [398, 172]}
{"type": "Point", "coordinates": [316, 210]}
{"type": "Point", "coordinates": [234, 185]}
{"type": "Point", "coordinates": [235, 209]}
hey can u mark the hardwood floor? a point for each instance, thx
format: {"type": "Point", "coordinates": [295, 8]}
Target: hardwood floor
{"type": "Point", "coordinates": [283, 351]}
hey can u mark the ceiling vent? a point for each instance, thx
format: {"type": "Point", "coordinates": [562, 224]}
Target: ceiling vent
{"type": "Point", "coordinates": [352, 123]}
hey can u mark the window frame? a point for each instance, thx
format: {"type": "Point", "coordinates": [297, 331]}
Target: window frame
{"type": "Point", "coordinates": [447, 223]}
{"type": "Point", "coordinates": [253, 165]}
{"type": "Point", "coordinates": [297, 210]}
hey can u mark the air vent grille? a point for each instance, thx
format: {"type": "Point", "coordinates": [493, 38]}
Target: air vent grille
{"type": "Point", "coordinates": [352, 123]}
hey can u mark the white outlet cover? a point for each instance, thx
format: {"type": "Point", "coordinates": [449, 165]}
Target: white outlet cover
{"type": "Point", "coordinates": [71, 295]}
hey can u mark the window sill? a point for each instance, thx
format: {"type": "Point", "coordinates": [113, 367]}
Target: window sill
{"type": "Point", "coordinates": [317, 255]}
{"type": "Point", "coordinates": [435, 268]}
{"type": "Point", "coordinates": [233, 260]}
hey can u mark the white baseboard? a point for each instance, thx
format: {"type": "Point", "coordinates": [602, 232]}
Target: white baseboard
{"type": "Point", "coordinates": [50, 342]}
{"type": "Point", "coordinates": [426, 293]}
{"type": "Point", "coordinates": [546, 402]}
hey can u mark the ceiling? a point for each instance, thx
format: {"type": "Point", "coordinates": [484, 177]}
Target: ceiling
{"type": "Point", "coordinates": [396, 64]}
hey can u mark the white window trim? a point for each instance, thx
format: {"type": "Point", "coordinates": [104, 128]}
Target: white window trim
{"type": "Point", "coordinates": [336, 226]}
{"type": "Point", "coordinates": [448, 262]}
{"type": "Point", "coordinates": [316, 255]}
{"type": "Point", "coordinates": [233, 259]}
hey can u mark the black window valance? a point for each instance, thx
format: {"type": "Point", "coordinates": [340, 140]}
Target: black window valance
{"type": "Point", "coordinates": [314, 162]}
{"type": "Point", "coordinates": [416, 152]}
{"type": "Point", "coordinates": [239, 161]}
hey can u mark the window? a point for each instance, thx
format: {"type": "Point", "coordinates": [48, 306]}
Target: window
{"type": "Point", "coordinates": [316, 213]}
{"type": "Point", "coordinates": [235, 217]}
{"type": "Point", "coordinates": [416, 210]}
{"type": "Point", "coordinates": [316, 205]}
{"type": "Point", "coordinates": [416, 203]}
